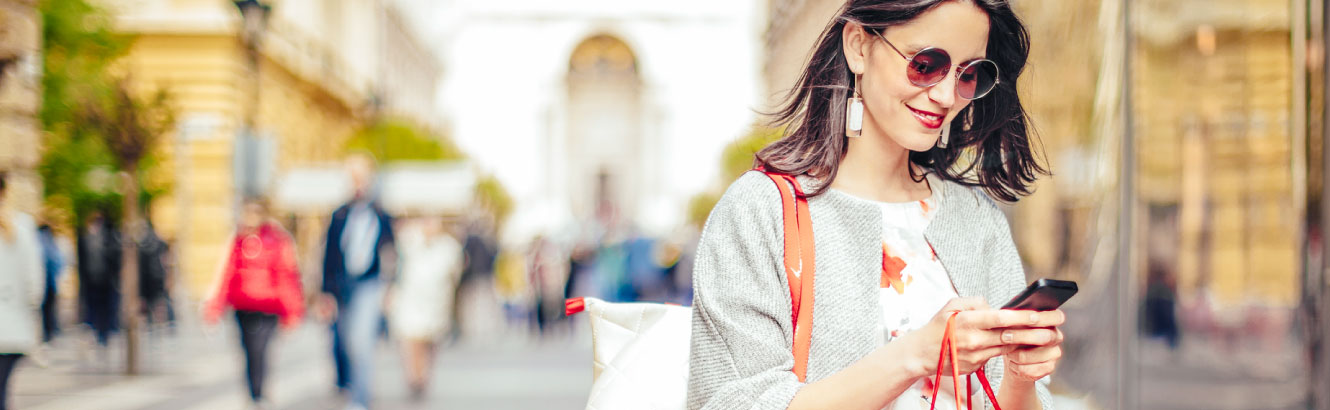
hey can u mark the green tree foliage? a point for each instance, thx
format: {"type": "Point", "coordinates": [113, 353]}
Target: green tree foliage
{"type": "Point", "coordinates": [391, 140]}
{"type": "Point", "coordinates": [699, 207]}
{"type": "Point", "coordinates": [739, 155]}
{"type": "Point", "coordinates": [80, 48]}
{"type": "Point", "coordinates": [737, 158]}
{"type": "Point", "coordinates": [493, 198]}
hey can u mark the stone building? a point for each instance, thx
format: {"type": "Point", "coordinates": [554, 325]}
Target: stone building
{"type": "Point", "coordinates": [20, 101]}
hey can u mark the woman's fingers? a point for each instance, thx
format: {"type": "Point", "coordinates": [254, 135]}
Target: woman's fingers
{"type": "Point", "coordinates": [977, 339]}
{"type": "Point", "coordinates": [1002, 318]}
{"type": "Point", "coordinates": [1032, 372]}
{"type": "Point", "coordinates": [1032, 337]}
{"type": "Point", "coordinates": [979, 357]}
{"type": "Point", "coordinates": [1034, 355]}
{"type": "Point", "coordinates": [970, 360]}
{"type": "Point", "coordinates": [963, 304]}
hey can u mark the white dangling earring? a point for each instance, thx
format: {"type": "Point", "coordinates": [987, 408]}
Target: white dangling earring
{"type": "Point", "coordinates": [854, 112]}
{"type": "Point", "coordinates": [946, 135]}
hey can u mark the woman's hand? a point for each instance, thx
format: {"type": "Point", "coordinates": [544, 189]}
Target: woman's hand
{"type": "Point", "coordinates": [1036, 347]}
{"type": "Point", "coordinates": [977, 334]}
{"type": "Point", "coordinates": [982, 333]}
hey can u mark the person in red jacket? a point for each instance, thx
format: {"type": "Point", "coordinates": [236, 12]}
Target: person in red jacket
{"type": "Point", "coordinates": [261, 282]}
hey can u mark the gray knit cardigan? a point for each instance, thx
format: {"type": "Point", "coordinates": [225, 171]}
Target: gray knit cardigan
{"type": "Point", "coordinates": [741, 330]}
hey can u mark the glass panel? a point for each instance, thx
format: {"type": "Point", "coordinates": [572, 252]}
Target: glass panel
{"type": "Point", "coordinates": [1218, 206]}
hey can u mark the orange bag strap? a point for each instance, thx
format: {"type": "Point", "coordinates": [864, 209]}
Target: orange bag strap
{"type": "Point", "coordinates": [799, 265]}
{"type": "Point", "coordinates": [948, 347]}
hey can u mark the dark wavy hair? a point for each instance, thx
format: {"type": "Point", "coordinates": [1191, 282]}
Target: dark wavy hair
{"type": "Point", "coordinates": [996, 146]}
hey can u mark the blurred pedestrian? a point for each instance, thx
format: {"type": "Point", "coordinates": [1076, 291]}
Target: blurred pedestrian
{"type": "Point", "coordinates": [359, 261]}
{"type": "Point", "coordinates": [478, 269]}
{"type": "Point", "coordinates": [53, 262]}
{"type": "Point", "coordinates": [422, 296]}
{"type": "Point", "coordinates": [20, 290]}
{"type": "Point", "coordinates": [580, 260]}
{"type": "Point", "coordinates": [261, 282]}
{"type": "Point", "coordinates": [548, 274]}
{"type": "Point", "coordinates": [99, 257]}
{"type": "Point", "coordinates": [153, 274]}
{"type": "Point", "coordinates": [1160, 304]}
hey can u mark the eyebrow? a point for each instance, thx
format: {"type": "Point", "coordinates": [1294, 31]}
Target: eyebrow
{"type": "Point", "coordinates": [913, 48]}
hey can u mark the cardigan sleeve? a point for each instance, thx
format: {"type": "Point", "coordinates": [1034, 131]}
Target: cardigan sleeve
{"type": "Point", "coordinates": [1007, 281]}
{"type": "Point", "coordinates": [741, 332]}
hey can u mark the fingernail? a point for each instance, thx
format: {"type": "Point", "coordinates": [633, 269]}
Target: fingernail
{"type": "Point", "coordinates": [1034, 318]}
{"type": "Point", "coordinates": [1007, 337]}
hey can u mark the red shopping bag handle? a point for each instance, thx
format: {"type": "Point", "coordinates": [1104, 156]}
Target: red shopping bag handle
{"type": "Point", "coordinates": [949, 348]}
{"type": "Point", "coordinates": [573, 306]}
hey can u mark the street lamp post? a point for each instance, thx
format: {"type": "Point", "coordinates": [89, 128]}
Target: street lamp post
{"type": "Point", "coordinates": [254, 25]}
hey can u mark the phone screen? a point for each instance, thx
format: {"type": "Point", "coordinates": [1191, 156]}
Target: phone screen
{"type": "Point", "coordinates": [1043, 295]}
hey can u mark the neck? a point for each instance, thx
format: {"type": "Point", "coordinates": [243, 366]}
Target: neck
{"type": "Point", "coordinates": [875, 167]}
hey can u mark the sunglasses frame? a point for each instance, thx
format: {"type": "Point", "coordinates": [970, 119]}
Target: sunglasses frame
{"type": "Point", "coordinates": [997, 78]}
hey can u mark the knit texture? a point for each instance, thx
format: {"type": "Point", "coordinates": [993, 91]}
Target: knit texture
{"type": "Point", "coordinates": [741, 332]}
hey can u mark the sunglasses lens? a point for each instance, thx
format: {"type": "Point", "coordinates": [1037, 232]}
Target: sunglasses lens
{"type": "Point", "coordinates": [928, 67]}
{"type": "Point", "coordinates": [977, 79]}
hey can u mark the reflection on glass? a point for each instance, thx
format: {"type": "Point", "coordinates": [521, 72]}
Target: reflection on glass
{"type": "Point", "coordinates": [1213, 115]}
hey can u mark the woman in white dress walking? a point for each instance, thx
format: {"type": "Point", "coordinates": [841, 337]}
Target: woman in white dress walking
{"type": "Point", "coordinates": [422, 296]}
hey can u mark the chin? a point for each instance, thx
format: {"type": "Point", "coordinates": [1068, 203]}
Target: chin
{"type": "Point", "coordinates": [921, 142]}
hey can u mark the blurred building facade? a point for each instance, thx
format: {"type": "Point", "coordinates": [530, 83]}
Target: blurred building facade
{"type": "Point", "coordinates": [320, 71]}
{"type": "Point", "coordinates": [598, 109]}
{"type": "Point", "coordinates": [1186, 141]}
{"type": "Point", "coordinates": [20, 100]}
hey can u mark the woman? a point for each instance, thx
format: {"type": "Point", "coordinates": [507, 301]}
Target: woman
{"type": "Point", "coordinates": [904, 228]}
{"type": "Point", "coordinates": [261, 282]}
{"type": "Point", "coordinates": [431, 264]}
{"type": "Point", "coordinates": [20, 290]}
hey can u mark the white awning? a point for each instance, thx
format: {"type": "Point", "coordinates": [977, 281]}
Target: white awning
{"type": "Point", "coordinates": [418, 187]}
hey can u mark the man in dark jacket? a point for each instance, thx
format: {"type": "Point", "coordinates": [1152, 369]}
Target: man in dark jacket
{"type": "Point", "coordinates": [359, 262]}
{"type": "Point", "coordinates": [99, 258]}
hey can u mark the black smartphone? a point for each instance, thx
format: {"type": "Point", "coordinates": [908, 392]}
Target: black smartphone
{"type": "Point", "coordinates": [1043, 295]}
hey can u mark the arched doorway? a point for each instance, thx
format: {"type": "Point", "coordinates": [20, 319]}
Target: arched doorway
{"type": "Point", "coordinates": [605, 147]}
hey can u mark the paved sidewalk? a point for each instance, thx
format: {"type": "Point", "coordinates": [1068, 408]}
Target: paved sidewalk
{"type": "Point", "coordinates": [197, 370]}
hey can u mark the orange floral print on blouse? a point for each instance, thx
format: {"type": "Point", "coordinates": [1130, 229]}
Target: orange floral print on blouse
{"type": "Point", "coordinates": [891, 271]}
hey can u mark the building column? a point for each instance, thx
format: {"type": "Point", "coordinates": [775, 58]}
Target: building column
{"type": "Point", "coordinates": [20, 100]}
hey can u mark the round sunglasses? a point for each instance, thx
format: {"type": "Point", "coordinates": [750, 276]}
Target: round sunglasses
{"type": "Point", "coordinates": [930, 66]}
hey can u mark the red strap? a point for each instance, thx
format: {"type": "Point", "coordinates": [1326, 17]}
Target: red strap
{"type": "Point", "coordinates": [948, 347]}
{"type": "Point", "coordinates": [799, 265]}
{"type": "Point", "coordinates": [573, 306]}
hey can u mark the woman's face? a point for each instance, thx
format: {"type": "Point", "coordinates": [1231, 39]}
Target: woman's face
{"type": "Point", "coordinates": [909, 115]}
{"type": "Point", "coordinates": [252, 217]}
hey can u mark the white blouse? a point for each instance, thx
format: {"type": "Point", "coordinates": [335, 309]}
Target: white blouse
{"type": "Point", "coordinates": [915, 287]}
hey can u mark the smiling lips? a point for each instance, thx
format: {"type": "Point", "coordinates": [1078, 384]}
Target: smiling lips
{"type": "Point", "coordinates": [929, 119]}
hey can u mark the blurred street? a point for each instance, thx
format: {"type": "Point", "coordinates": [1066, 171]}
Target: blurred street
{"type": "Point", "coordinates": [200, 369]}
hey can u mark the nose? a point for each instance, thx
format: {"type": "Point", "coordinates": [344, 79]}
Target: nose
{"type": "Point", "coordinates": [944, 93]}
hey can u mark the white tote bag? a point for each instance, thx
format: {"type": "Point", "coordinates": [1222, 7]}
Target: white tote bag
{"type": "Point", "coordinates": [640, 354]}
